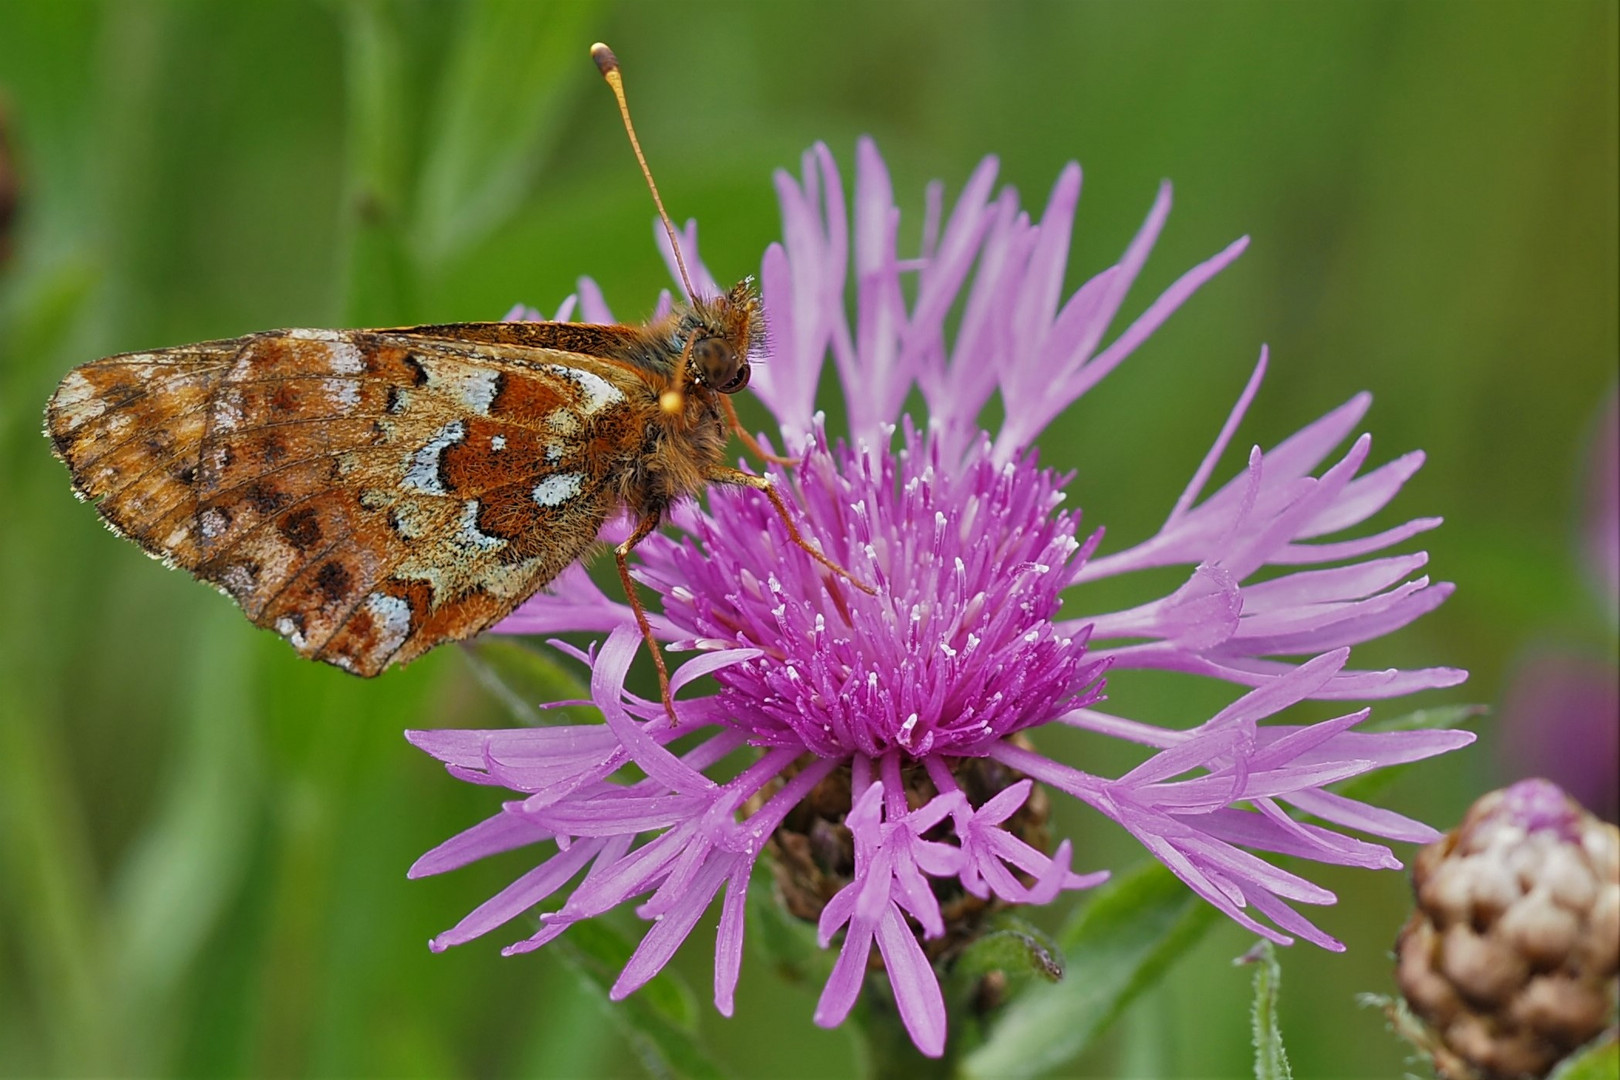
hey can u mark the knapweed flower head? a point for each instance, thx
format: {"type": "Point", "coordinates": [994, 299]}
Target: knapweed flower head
{"type": "Point", "coordinates": [880, 745]}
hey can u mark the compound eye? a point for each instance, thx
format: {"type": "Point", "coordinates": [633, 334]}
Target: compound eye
{"type": "Point", "coordinates": [738, 382]}
{"type": "Point", "coordinates": [716, 362]}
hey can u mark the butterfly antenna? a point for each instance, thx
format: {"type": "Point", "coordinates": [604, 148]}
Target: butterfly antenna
{"type": "Point", "coordinates": [608, 65]}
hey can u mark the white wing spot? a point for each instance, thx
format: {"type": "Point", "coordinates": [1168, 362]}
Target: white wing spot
{"type": "Point", "coordinates": [558, 489]}
{"type": "Point", "coordinates": [423, 473]}
{"type": "Point", "coordinates": [562, 422]}
{"type": "Point", "coordinates": [554, 451]}
{"type": "Point", "coordinates": [469, 535]}
{"type": "Point", "coordinates": [472, 387]}
{"type": "Point", "coordinates": [227, 411]}
{"type": "Point", "coordinates": [343, 358]}
{"type": "Point", "coordinates": [497, 442]}
{"type": "Point", "coordinates": [76, 400]}
{"type": "Point", "coordinates": [237, 580]}
{"type": "Point", "coordinates": [289, 630]}
{"type": "Point", "coordinates": [597, 391]}
{"type": "Point", "coordinates": [392, 616]}
{"type": "Point", "coordinates": [343, 393]}
{"type": "Point", "coordinates": [213, 523]}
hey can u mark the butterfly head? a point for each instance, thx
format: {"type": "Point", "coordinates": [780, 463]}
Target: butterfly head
{"type": "Point", "coordinates": [725, 334]}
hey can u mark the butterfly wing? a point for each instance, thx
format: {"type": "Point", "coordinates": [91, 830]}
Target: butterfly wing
{"type": "Point", "coordinates": [366, 494]}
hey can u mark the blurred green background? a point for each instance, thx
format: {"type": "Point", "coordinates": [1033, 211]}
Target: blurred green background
{"type": "Point", "coordinates": [203, 840]}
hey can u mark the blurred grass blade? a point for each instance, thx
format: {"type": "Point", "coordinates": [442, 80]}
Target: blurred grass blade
{"type": "Point", "coordinates": [379, 281]}
{"type": "Point", "coordinates": [509, 79]}
{"type": "Point", "coordinates": [570, 1041]}
{"type": "Point", "coordinates": [659, 1020]}
{"type": "Point", "coordinates": [1270, 1059]}
{"type": "Point", "coordinates": [48, 881]}
{"type": "Point", "coordinates": [36, 316]}
{"type": "Point", "coordinates": [1117, 946]}
{"type": "Point", "coordinates": [189, 862]}
{"type": "Point", "coordinates": [524, 677]}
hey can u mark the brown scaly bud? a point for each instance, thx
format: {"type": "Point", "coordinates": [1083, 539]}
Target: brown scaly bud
{"type": "Point", "coordinates": [1512, 954]}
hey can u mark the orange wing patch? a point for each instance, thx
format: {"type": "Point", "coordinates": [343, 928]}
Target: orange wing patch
{"type": "Point", "coordinates": [366, 494]}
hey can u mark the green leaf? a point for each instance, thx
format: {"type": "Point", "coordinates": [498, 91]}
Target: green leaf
{"type": "Point", "coordinates": [1013, 947]}
{"type": "Point", "coordinates": [1270, 1059]}
{"type": "Point", "coordinates": [1119, 944]}
{"type": "Point", "coordinates": [505, 94]}
{"type": "Point", "coordinates": [524, 678]}
{"type": "Point", "coordinates": [1447, 716]}
{"type": "Point", "coordinates": [1598, 1060]}
{"type": "Point", "coordinates": [1450, 716]}
{"type": "Point", "coordinates": [659, 1020]}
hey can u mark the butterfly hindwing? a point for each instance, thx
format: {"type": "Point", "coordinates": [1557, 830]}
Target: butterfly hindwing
{"type": "Point", "coordinates": [367, 494]}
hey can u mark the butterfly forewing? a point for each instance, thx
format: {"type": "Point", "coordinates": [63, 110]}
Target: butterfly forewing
{"type": "Point", "coordinates": [367, 494]}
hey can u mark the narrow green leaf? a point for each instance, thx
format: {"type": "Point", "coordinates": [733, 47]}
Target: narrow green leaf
{"type": "Point", "coordinates": [187, 864]}
{"type": "Point", "coordinates": [1450, 716]}
{"type": "Point", "coordinates": [523, 677]}
{"type": "Point", "coordinates": [48, 884]}
{"type": "Point", "coordinates": [1270, 1059]}
{"type": "Point", "coordinates": [374, 73]}
{"type": "Point", "coordinates": [1118, 945]}
{"type": "Point", "coordinates": [380, 281]}
{"type": "Point", "coordinates": [659, 1020]}
{"type": "Point", "coordinates": [511, 74]}
{"type": "Point", "coordinates": [1447, 716]}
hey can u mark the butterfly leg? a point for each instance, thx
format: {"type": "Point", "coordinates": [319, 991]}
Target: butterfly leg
{"type": "Point", "coordinates": [737, 478]}
{"type": "Point", "coordinates": [644, 529]}
{"type": "Point", "coordinates": [747, 439]}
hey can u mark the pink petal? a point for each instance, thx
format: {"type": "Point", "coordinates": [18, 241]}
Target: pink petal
{"type": "Point", "coordinates": [916, 989]}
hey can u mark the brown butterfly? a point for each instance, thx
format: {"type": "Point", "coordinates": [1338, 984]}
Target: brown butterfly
{"type": "Point", "coordinates": [369, 494]}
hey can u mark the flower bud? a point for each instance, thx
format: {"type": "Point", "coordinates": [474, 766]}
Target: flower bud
{"type": "Point", "coordinates": [1511, 957]}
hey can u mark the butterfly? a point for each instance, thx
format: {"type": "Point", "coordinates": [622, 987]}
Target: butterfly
{"type": "Point", "coordinates": [369, 494]}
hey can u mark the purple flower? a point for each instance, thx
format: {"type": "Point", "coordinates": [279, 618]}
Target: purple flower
{"type": "Point", "coordinates": [894, 724]}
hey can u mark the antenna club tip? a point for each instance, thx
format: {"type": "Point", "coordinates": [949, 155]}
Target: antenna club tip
{"type": "Point", "coordinates": [671, 402]}
{"type": "Point", "coordinates": [606, 62]}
